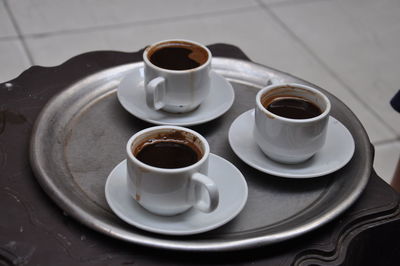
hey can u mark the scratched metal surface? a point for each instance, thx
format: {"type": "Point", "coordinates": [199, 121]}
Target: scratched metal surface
{"type": "Point", "coordinates": [80, 136]}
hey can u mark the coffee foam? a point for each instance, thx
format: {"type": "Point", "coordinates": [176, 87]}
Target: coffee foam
{"type": "Point", "coordinates": [170, 136]}
{"type": "Point", "coordinates": [198, 54]}
{"type": "Point", "coordinates": [288, 91]}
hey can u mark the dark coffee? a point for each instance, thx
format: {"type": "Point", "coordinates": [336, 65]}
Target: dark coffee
{"type": "Point", "coordinates": [178, 56]}
{"type": "Point", "coordinates": [291, 107]}
{"type": "Point", "coordinates": [167, 153]}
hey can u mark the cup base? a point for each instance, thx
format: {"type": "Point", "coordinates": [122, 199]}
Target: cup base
{"type": "Point", "coordinates": [163, 212]}
{"type": "Point", "coordinates": [269, 150]}
{"type": "Point", "coordinates": [288, 160]}
{"type": "Point", "coordinates": [137, 196]}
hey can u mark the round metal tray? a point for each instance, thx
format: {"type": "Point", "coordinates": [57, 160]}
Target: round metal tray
{"type": "Point", "coordinates": [81, 134]}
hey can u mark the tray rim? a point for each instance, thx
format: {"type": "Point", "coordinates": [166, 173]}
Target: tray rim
{"type": "Point", "coordinates": [87, 219]}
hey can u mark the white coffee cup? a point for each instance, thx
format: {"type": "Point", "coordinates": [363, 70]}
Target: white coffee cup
{"type": "Point", "coordinates": [176, 75]}
{"type": "Point", "coordinates": [287, 139]}
{"type": "Point", "coordinates": [170, 191]}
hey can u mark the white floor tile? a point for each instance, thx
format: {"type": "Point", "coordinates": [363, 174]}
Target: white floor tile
{"type": "Point", "coordinates": [359, 41]}
{"type": "Point", "coordinates": [13, 57]}
{"type": "Point", "coordinates": [43, 16]}
{"type": "Point", "coordinates": [260, 38]}
{"type": "Point", "coordinates": [6, 27]}
{"type": "Point", "coordinates": [386, 158]}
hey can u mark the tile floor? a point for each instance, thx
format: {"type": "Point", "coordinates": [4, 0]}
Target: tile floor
{"type": "Point", "coordinates": [349, 47]}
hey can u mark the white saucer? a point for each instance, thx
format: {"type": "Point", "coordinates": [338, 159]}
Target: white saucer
{"type": "Point", "coordinates": [233, 196]}
{"type": "Point", "coordinates": [132, 97]}
{"type": "Point", "coordinates": [337, 151]}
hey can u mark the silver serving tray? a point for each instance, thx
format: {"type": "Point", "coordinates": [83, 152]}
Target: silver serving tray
{"type": "Point", "coordinates": [81, 134]}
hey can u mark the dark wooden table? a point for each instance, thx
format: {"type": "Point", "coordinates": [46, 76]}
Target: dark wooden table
{"type": "Point", "coordinates": [34, 231]}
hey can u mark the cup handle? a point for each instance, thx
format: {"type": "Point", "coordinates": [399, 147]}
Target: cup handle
{"type": "Point", "coordinates": [198, 200]}
{"type": "Point", "coordinates": [155, 93]}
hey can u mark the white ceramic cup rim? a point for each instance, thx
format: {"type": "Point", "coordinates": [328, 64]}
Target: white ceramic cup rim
{"type": "Point", "coordinates": [204, 157]}
{"type": "Point", "coordinates": [293, 120]}
{"type": "Point", "coordinates": [184, 71]}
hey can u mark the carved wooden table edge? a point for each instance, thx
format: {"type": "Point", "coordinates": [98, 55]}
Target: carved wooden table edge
{"type": "Point", "coordinates": [349, 235]}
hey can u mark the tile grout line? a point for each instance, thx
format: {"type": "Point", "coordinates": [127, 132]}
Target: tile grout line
{"type": "Point", "coordinates": [142, 22]}
{"type": "Point", "coordinates": [292, 3]}
{"type": "Point", "coordinates": [8, 38]}
{"type": "Point", "coordinates": [325, 66]}
{"type": "Point", "coordinates": [385, 142]}
{"type": "Point", "coordinates": [19, 34]}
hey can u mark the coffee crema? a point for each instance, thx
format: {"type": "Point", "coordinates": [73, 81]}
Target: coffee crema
{"type": "Point", "coordinates": [177, 55]}
{"type": "Point", "coordinates": [173, 151]}
{"type": "Point", "coordinates": [291, 107]}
